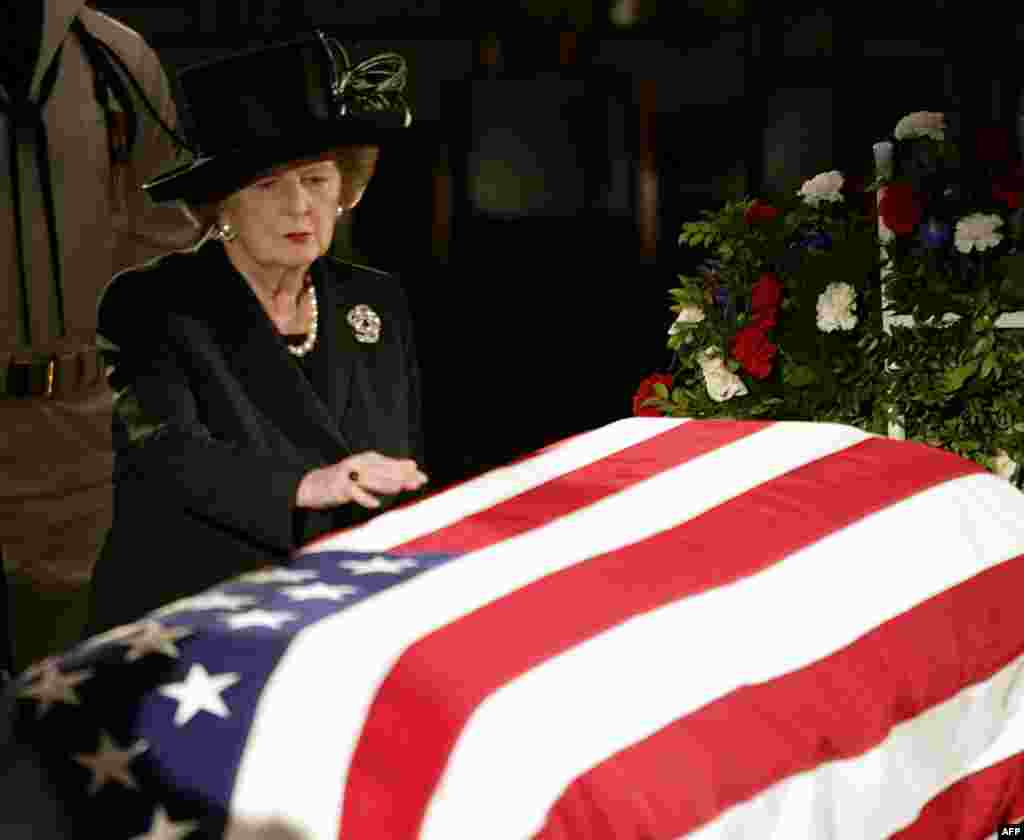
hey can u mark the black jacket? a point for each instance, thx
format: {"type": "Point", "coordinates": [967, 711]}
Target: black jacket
{"type": "Point", "coordinates": [216, 423]}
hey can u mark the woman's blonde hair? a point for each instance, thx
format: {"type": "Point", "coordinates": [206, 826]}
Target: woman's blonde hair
{"type": "Point", "coordinates": [356, 165]}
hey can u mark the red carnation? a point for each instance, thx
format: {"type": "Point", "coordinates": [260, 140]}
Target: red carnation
{"type": "Point", "coordinates": [646, 391]}
{"type": "Point", "coordinates": [900, 208]}
{"type": "Point", "coordinates": [764, 299]}
{"type": "Point", "coordinates": [758, 212]}
{"type": "Point", "coordinates": [752, 349]}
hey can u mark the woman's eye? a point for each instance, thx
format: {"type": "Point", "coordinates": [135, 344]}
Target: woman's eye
{"type": "Point", "coordinates": [316, 180]}
{"type": "Point", "coordinates": [265, 185]}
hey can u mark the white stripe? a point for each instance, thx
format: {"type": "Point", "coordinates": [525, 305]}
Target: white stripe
{"type": "Point", "coordinates": [312, 709]}
{"type": "Point", "coordinates": [570, 713]}
{"type": "Point", "coordinates": [405, 524]}
{"type": "Point", "coordinates": [882, 791]}
{"type": "Point", "coordinates": [1009, 743]}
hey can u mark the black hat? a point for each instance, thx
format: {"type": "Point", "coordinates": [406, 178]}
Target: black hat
{"type": "Point", "coordinates": [268, 106]}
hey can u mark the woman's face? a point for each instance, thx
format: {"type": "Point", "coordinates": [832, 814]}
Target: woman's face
{"type": "Point", "coordinates": [286, 218]}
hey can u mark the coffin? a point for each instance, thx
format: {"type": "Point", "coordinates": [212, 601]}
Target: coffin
{"type": "Point", "coordinates": [658, 629]}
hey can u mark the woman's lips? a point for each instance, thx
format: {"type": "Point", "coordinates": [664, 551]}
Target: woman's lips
{"type": "Point", "coordinates": [299, 237]}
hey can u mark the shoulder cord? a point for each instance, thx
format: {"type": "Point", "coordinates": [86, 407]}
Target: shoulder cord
{"type": "Point", "coordinates": [22, 114]}
{"type": "Point", "coordinates": [100, 54]}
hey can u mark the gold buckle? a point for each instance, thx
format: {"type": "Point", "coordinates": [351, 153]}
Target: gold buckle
{"type": "Point", "coordinates": [51, 367]}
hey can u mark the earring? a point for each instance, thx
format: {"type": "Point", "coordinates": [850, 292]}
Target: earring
{"type": "Point", "coordinates": [341, 209]}
{"type": "Point", "coordinates": [224, 232]}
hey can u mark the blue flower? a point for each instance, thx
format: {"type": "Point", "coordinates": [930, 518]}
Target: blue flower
{"type": "Point", "coordinates": [817, 241]}
{"type": "Point", "coordinates": [935, 234]}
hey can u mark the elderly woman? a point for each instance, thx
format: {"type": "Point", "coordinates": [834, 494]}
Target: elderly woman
{"type": "Point", "coordinates": [265, 393]}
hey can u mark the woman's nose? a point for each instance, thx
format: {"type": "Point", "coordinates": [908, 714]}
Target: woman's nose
{"type": "Point", "coordinates": [298, 199]}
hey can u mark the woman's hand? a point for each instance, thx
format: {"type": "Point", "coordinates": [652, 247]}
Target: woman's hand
{"type": "Point", "coordinates": [357, 479]}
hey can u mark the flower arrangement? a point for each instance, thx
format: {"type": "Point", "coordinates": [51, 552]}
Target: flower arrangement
{"type": "Point", "coordinates": [881, 307]}
{"type": "Point", "coordinates": [779, 321]}
{"type": "Point", "coordinates": [953, 275]}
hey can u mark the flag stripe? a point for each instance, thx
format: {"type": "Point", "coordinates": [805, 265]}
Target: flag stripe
{"type": "Point", "coordinates": [566, 715]}
{"type": "Point", "coordinates": [582, 487]}
{"type": "Point", "coordinates": [975, 806]}
{"type": "Point", "coordinates": [779, 517]}
{"type": "Point", "coordinates": [364, 641]}
{"type": "Point", "coordinates": [989, 792]}
{"type": "Point", "coordinates": [883, 691]}
{"type": "Point", "coordinates": [491, 488]}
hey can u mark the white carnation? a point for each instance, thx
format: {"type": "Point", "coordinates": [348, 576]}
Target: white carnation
{"type": "Point", "coordinates": [977, 231]}
{"type": "Point", "coordinates": [689, 314]}
{"type": "Point", "coordinates": [835, 308]}
{"type": "Point", "coordinates": [722, 383]}
{"type": "Point", "coordinates": [921, 124]}
{"type": "Point", "coordinates": [825, 186]}
{"type": "Point", "coordinates": [1003, 465]}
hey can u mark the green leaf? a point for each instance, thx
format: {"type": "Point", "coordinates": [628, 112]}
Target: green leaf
{"type": "Point", "coordinates": [988, 364]}
{"type": "Point", "coordinates": [799, 376]}
{"type": "Point", "coordinates": [954, 379]}
{"type": "Point", "coordinates": [661, 390]}
{"type": "Point", "coordinates": [981, 345]}
{"type": "Point", "coordinates": [1012, 269]}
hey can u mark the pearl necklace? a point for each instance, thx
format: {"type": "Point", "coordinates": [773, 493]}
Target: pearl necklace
{"type": "Point", "coordinates": [307, 345]}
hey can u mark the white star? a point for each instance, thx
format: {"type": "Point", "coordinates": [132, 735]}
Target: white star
{"type": "Point", "coordinates": [111, 762]}
{"type": "Point", "coordinates": [319, 591]}
{"type": "Point", "coordinates": [259, 618]}
{"type": "Point", "coordinates": [279, 575]}
{"type": "Point", "coordinates": [52, 686]}
{"type": "Point", "coordinates": [162, 828]}
{"type": "Point", "coordinates": [200, 692]}
{"type": "Point", "coordinates": [153, 637]}
{"type": "Point", "coordinates": [215, 600]}
{"type": "Point", "coordinates": [378, 565]}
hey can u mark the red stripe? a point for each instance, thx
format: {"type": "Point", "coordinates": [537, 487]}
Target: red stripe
{"type": "Point", "coordinates": [389, 784]}
{"type": "Point", "coordinates": [584, 486]}
{"type": "Point", "coordinates": [734, 748]}
{"type": "Point", "coordinates": [975, 806]}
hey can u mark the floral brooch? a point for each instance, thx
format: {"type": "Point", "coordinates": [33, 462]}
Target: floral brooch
{"type": "Point", "coordinates": [365, 323]}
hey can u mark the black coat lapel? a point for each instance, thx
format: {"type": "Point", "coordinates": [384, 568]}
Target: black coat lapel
{"type": "Point", "coordinates": [356, 373]}
{"type": "Point", "coordinates": [333, 363]}
{"type": "Point", "coordinates": [269, 376]}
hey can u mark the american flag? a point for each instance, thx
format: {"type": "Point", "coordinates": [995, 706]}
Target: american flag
{"type": "Point", "coordinates": [658, 629]}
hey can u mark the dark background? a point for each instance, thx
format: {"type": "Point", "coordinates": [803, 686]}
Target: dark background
{"type": "Point", "coordinates": [533, 207]}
